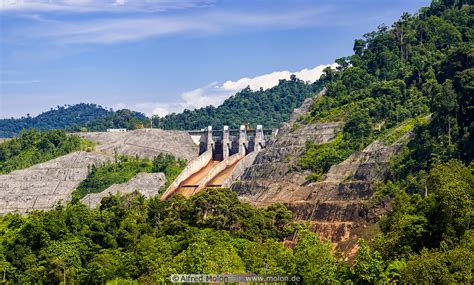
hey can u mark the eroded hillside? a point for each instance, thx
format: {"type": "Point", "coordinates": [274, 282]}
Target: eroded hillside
{"type": "Point", "coordinates": [340, 201]}
{"type": "Point", "coordinates": [44, 185]}
{"type": "Point", "coordinates": [145, 143]}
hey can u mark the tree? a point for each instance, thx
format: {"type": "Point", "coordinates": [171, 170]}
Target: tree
{"type": "Point", "coordinates": [105, 265]}
{"type": "Point", "coordinates": [314, 261]}
{"type": "Point", "coordinates": [358, 127]}
{"type": "Point", "coordinates": [368, 264]}
{"type": "Point", "coordinates": [64, 255]}
{"type": "Point", "coordinates": [452, 188]}
{"type": "Point", "coordinates": [6, 267]}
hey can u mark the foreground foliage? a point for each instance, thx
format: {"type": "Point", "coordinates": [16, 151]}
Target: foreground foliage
{"type": "Point", "coordinates": [131, 238]}
{"type": "Point", "coordinates": [147, 240]}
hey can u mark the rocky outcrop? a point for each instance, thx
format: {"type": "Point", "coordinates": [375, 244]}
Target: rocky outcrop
{"type": "Point", "coordinates": [273, 177]}
{"type": "Point", "coordinates": [43, 185]}
{"type": "Point", "coordinates": [145, 143]}
{"type": "Point", "coordinates": [336, 204]}
{"type": "Point", "coordinates": [147, 184]}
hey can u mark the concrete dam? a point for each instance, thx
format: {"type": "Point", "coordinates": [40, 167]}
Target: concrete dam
{"type": "Point", "coordinates": [223, 155]}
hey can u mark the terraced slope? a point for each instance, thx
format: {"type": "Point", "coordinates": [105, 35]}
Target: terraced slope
{"type": "Point", "coordinates": [44, 185]}
{"type": "Point", "coordinates": [145, 143]}
{"type": "Point", "coordinates": [335, 205]}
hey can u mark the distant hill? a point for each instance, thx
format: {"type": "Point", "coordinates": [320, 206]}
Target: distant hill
{"type": "Point", "coordinates": [73, 117]}
{"type": "Point", "coordinates": [269, 107]}
{"type": "Point", "coordinates": [61, 117]}
{"type": "Point", "coordinates": [124, 118]}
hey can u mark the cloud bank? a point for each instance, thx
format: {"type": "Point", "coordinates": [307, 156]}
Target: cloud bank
{"type": "Point", "coordinates": [214, 93]}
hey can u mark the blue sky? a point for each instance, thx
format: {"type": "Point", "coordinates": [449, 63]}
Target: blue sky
{"type": "Point", "coordinates": [160, 56]}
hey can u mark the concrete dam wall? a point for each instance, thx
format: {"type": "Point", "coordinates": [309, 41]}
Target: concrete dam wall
{"type": "Point", "coordinates": [221, 153]}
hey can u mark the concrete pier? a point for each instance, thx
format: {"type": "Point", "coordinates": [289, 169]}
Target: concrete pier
{"type": "Point", "coordinates": [259, 138]}
{"type": "Point", "coordinates": [226, 143]}
{"type": "Point", "coordinates": [243, 140]}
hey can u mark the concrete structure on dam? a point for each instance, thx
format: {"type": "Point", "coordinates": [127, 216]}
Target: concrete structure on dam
{"type": "Point", "coordinates": [222, 153]}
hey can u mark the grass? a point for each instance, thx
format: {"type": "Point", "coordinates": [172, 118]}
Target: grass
{"type": "Point", "coordinates": [323, 110]}
{"type": "Point", "coordinates": [394, 134]}
{"type": "Point", "coordinates": [87, 145]}
{"type": "Point", "coordinates": [336, 114]}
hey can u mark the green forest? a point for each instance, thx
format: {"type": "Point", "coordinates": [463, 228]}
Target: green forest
{"type": "Point", "coordinates": [79, 117]}
{"type": "Point", "coordinates": [33, 147]}
{"type": "Point", "coordinates": [121, 119]}
{"type": "Point", "coordinates": [269, 107]}
{"type": "Point", "coordinates": [61, 117]}
{"type": "Point", "coordinates": [420, 68]}
{"type": "Point", "coordinates": [130, 239]}
{"type": "Point", "coordinates": [416, 76]}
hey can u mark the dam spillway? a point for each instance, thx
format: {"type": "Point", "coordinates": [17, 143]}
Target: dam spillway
{"type": "Point", "coordinates": [220, 152]}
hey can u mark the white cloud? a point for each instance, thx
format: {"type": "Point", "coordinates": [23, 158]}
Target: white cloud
{"type": "Point", "coordinates": [32, 81]}
{"type": "Point", "coordinates": [81, 6]}
{"type": "Point", "coordinates": [120, 30]}
{"type": "Point", "coordinates": [119, 106]}
{"type": "Point", "coordinates": [120, 2]}
{"type": "Point", "coordinates": [126, 27]}
{"type": "Point", "coordinates": [215, 94]}
{"type": "Point", "coordinates": [269, 80]}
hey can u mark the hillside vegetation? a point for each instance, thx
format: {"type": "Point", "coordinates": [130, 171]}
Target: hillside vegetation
{"type": "Point", "coordinates": [60, 118]}
{"type": "Point", "coordinates": [422, 65]}
{"type": "Point", "coordinates": [417, 74]}
{"type": "Point", "coordinates": [121, 119]}
{"type": "Point", "coordinates": [32, 147]}
{"type": "Point", "coordinates": [269, 107]}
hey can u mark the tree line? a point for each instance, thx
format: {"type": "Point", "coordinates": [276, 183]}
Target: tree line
{"type": "Point", "coordinates": [75, 118]}
{"type": "Point", "coordinates": [270, 107]}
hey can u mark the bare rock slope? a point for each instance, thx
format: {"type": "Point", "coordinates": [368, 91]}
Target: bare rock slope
{"type": "Point", "coordinates": [145, 143]}
{"type": "Point", "coordinates": [44, 185]}
{"type": "Point", "coordinates": [338, 203]}
{"type": "Point", "coordinates": [148, 184]}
